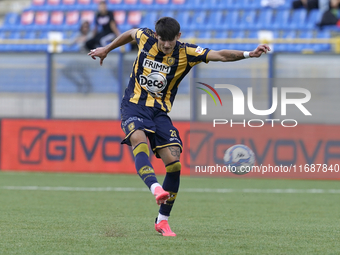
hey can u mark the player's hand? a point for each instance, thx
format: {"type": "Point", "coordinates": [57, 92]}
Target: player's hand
{"type": "Point", "coordinates": [263, 48]}
{"type": "Point", "coordinates": [98, 52]}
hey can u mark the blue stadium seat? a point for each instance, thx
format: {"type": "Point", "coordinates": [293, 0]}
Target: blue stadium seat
{"type": "Point", "coordinates": [193, 5]}
{"type": "Point", "coordinates": [198, 20]}
{"type": "Point", "coordinates": [42, 35]}
{"type": "Point", "coordinates": [83, 5]}
{"type": "Point", "coordinates": [148, 5]}
{"type": "Point", "coordinates": [248, 20]}
{"type": "Point", "coordinates": [162, 5]}
{"type": "Point", "coordinates": [298, 19]}
{"type": "Point", "coordinates": [149, 19]}
{"type": "Point", "coordinates": [308, 34]}
{"type": "Point", "coordinates": [204, 35]}
{"type": "Point", "coordinates": [212, 5]}
{"type": "Point", "coordinates": [228, 5]}
{"type": "Point", "coordinates": [265, 19]}
{"type": "Point", "coordinates": [281, 19]}
{"type": "Point", "coordinates": [67, 5]}
{"type": "Point", "coordinates": [312, 19]}
{"type": "Point", "coordinates": [130, 5]}
{"type": "Point", "coordinates": [325, 34]}
{"type": "Point", "coordinates": [183, 18]}
{"type": "Point", "coordinates": [251, 46]}
{"type": "Point", "coordinates": [238, 4]}
{"type": "Point", "coordinates": [186, 34]}
{"type": "Point", "coordinates": [168, 13]}
{"type": "Point", "coordinates": [38, 5]}
{"type": "Point", "coordinates": [237, 34]}
{"type": "Point", "coordinates": [289, 34]}
{"type": "Point", "coordinates": [11, 20]}
{"type": "Point", "coordinates": [215, 20]}
{"type": "Point", "coordinates": [252, 4]}
{"type": "Point", "coordinates": [231, 20]}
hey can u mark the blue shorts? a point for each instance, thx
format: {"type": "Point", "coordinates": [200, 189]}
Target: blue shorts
{"type": "Point", "coordinates": [156, 124]}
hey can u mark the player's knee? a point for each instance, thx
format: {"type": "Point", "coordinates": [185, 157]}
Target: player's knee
{"type": "Point", "coordinates": [173, 167]}
{"type": "Point", "coordinates": [141, 147]}
{"type": "Point", "coordinates": [137, 137]}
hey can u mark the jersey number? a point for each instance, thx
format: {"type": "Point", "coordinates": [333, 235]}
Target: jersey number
{"type": "Point", "coordinates": [173, 133]}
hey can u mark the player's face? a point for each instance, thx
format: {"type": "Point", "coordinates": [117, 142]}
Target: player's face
{"type": "Point", "coordinates": [167, 46]}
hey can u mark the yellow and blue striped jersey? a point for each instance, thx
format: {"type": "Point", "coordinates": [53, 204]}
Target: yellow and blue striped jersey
{"type": "Point", "coordinates": [155, 76]}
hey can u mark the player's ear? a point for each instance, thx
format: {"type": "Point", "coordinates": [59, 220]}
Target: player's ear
{"type": "Point", "coordinates": [179, 35]}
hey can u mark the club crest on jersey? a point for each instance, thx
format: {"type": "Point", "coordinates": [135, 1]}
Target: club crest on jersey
{"type": "Point", "coordinates": [154, 83]}
{"type": "Point", "coordinates": [199, 50]}
{"type": "Point", "coordinates": [170, 61]}
{"type": "Point", "coordinates": [157, 66]}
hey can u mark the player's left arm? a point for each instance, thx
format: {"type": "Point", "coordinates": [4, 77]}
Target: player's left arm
{"type": "Point", "coordinates": [121, 40]}
{"type": "Point", "coordinates": [234, 55]}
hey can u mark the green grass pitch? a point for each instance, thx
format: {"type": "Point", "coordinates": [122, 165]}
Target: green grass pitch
{"type": "Point", "coordinates": [253, 217]}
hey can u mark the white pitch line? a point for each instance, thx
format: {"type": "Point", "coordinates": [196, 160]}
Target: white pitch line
{"type": "Point", "coordinates": [130, 189]}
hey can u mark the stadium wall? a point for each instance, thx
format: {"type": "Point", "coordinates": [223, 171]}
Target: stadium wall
{"type": "Point", "coordinates": [94, 146]}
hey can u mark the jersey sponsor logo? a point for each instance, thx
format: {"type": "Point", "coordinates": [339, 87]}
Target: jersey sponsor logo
{"type": "Point", "coordinates": [147, 53]}
{"type": "Point", "coordinates": [154, 65]}
{"type": "Point", "coordinates": [199, 50]}
{"type": "Point", "coordinates": [154, 83]}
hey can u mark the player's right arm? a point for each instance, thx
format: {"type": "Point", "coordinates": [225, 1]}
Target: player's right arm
{"type": "Point", "coordinates": [122, 39]}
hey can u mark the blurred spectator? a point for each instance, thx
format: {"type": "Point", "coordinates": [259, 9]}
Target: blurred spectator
{"type": "Point", "coordinates": [105, 28]}
{"type": "Point", "coordinates": [83, 36]}
{"type": "Point", "coordinates": [76, 71]}
{"type": "Point", "coordinates": [308, 4]}
{"type": "Point", "coordinates": [328, 12]}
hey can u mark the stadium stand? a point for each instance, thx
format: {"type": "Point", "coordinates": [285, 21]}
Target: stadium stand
{"type": "Point", "coordinates": [198, 18]}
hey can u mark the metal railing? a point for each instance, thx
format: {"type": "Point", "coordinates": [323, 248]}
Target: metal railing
{"type": "Point", "coordinates": [335, 42]}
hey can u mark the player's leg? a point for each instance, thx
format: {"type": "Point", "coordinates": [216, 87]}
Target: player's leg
{"type": "Point", "coordinates": [137, 123]}
{"type": "Point", "coordinates": [167, 145]}
{"type": "Point", "coordinates": [144, 167]}
{"type": "Point", "coordinates": [170, 156]}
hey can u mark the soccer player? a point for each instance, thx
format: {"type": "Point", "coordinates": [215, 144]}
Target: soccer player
{"type": "Point", "coordinates": [161, 64]}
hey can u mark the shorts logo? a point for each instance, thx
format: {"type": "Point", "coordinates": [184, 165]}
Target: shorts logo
{"type": "Point", "coordinates": [170, 61]}
{"type": "Point", "coordinates": [199, 50]}
{"type": "Point", "coordinates": [154, 83]}
{"type": "Point", "coordinates": [131, 126]}
{"type": "Point", "coordinates": [145, 170]}
{"type": "Point", "coordinates": [154, 65]}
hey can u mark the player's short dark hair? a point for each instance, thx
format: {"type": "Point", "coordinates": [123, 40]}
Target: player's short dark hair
{"type": "Point", "coordinates": [167, 28]}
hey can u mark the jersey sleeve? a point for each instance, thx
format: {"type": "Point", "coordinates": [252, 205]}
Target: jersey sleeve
{"type": "Point", "coordinates": [196, 54]}
{"type": "Point", "coordinates": [142, 35]}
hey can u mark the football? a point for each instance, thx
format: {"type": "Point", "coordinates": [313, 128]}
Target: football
{"type": "Point", "coordinates": [239, 159]}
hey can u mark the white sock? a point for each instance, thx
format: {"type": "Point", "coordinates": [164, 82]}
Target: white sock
{"type": "Point", "coordinates": [161, 217]}
{"type": "Point", "coordinates": [154, 186]}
